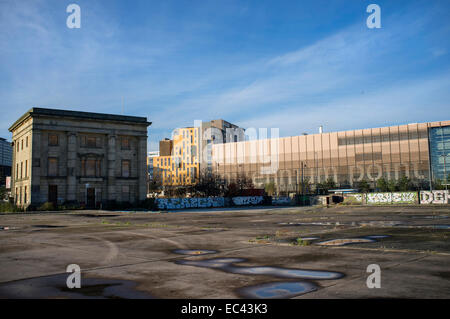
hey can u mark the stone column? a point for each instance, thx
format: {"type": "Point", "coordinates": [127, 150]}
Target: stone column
{"type": "Point", "coordinates": [13, 170]}
{"type": "Point", "coordinates": [111, 174]}
{"type": "Point", "coordinates": [35, 172]}
{"type": "Point", "coordinates": [142, 167]}
{"type": "Point", "coordinates": [71, 166]}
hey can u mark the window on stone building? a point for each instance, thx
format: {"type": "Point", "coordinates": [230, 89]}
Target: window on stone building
{"type": "Point", "coordinates": [125, 143]}
{"type": "Point", "coordinates": [26, 142]}
{"type": "Point", "coordinates": [25, 195]}
{"type": "Point", "coordinates": [53, 140]}
{"type": "Point", "coordinates": [21, 142]}
{"type": "Point", "coordinates": [90, 167]}
{"type": "Point", "coordinates": [26, 168]}
{"type": "Point", "coordinates": [91, 141]}
{"type": "Point", "coordinates": [52, 166]}
{"type": "Point", "coordinates": [21, 169]}
{"type": "Point", "coordinates": [125, 168]}
{"type": "Point", "coordinates": [99, 168]}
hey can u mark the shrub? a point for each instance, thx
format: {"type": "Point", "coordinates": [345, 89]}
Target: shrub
{"type": "Point", "coordinates": [148, 203]}
{"type": "Point", "coordinates": [47, 206]}
{"type": "Point", "coordinates": [7, 207]}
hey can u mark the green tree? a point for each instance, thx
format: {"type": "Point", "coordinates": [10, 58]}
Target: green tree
{"type": "Point", "coordinates": [3, 193]}
{"type": "Point", "coordinates": [438, 184]}
{"type": "Point", "coordinates": [305, 186]}
{"type": "Point", "coordinates": [364, 186]}
{"type": "Point", "coordinates": [208, 184]}
{"type": "Point", "coordinates": [404, 184]}
{"type": "Point", "coordinates": [382, 184]}
{"type": "Point", "coordinates": [392, 185]}
{"type": "Point", "coordinates": [270, 188]}
{"type": "Point", "coordinates": [329, 184]}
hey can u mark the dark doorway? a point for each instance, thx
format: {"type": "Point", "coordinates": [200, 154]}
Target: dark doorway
{"type": "Point", "coordinates": [90, 197]}
{"type": "Point", "coordinates": [53, 194]}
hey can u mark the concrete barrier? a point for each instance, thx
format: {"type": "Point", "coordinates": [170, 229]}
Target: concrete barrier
{"type": "Point", "coordinates": [382, 198]}
{"type": "Point", "coordinates": [435, 197]}
{"type": "Point", "coordinates": [282, 201]}
{"type": "Point", "coordinates": [247, 200]}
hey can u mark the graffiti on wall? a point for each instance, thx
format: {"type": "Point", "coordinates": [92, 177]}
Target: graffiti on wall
{"type": "Point", "coordinates": [180, 203]}
{"type": "Point", "coordinates": [383, 198]}
{"type": "Point", "coordinates": [206, 202]}
{"type": "Point", "coordinates": [394, 198]}
{"type": "Point", "coordinates": [281, 200]}
{"type": "Point", "coordinates": [247, 200]}
{"type": "Point", "coordinates": [435, 197]}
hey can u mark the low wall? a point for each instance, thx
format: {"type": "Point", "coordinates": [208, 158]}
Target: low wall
{"type": "Point", "coordinates": [282, 201]}
{"type": "Point", "coordinates": [247, 200]}
{"type": "Point", "coordinates": [207, 202]}
{"type": "Point", "coordinates": [435, 197]}
{"type": "Point", "coordinates": [180, 203]}
{"type": "Point", "coordinates": [382, 198]}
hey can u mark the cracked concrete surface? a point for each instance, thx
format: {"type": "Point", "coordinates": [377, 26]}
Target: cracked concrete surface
{"type": "Point", "coordinates": [139, 247]}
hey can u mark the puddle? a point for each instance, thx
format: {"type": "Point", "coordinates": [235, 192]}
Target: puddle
{"type": "Point", "coordinates": [428, 217]}
{"type": "Point", "coordinates": [381, 223]}
{"type": "Point", "coordinates": [227, 265]}
{"type": "Point", "coordinates": [310, 224]}
{"type": "Point", "coordinates": [96, 215]}
{"type": "Point", "coordinates": [54, 286]}
{"type": "Point", "coordinates": [309, 238]}
{"type": "Point", "coordinates": [277, 290]}
{"type": "Point", "coordinates": [378, 236]}
{"type": "Point", "coordinates": [194, 251]}
{"type": "Point", "coordinates": [439, 226]}
{"type": "Point", "coordinates": [48, 226]}
{"type": "Point", "coordinates": [346, 241]}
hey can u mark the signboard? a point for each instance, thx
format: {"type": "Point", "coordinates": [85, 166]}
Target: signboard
{"type": "Point", "coordinates": [8, 182]}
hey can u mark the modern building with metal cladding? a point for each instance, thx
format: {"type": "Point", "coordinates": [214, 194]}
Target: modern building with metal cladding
{"type": "Point", "coordinates": [87, 158]}
{"type": "Point", "coordinates": [5, 160]}
{"type": "Point", "coordinates": [419, 151]}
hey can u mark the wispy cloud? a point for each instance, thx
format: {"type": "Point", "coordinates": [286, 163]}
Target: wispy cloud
{"type": "Point", "coordinates": [175, 71]}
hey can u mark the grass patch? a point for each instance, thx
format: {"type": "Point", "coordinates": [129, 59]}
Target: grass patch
{"type": "Point", "coordinates": [300, 242]}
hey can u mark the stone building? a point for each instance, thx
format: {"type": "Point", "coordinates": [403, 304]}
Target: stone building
{"type": "Point", "coordinates": [87, 158]}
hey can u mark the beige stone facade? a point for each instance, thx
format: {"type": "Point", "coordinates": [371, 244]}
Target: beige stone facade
{"type": "Point", "coordinates": [78, 157]}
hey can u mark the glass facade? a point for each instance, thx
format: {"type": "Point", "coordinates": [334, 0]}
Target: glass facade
{"type": "Point", "coordinates": [345, 157]}
{"type": "Point", "coordinates": [440, 153]}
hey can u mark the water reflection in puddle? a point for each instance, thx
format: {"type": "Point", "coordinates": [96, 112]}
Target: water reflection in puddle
{"type": "Point", "coordinates": [378, 236]}
{"type": "Point", "coordinates": [194, 251]}
{"type": "Point", "coordinates": [439, 226]}
{"type": "Point", "coordinates": [54, 286]}
{"type": "Point", "coordinates": [226, 264]}
{"type": "Point", "coordinates": [345, 241]}
{"type": "Point", "coordinates": [48, 226]}
{"type": "Point", "coordinates": [277, 290]}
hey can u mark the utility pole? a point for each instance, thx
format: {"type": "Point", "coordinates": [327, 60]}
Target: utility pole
{"type": "Point", "coordinates": [303, 185]}
{"type": "Point", "coordinates": [445, 171]}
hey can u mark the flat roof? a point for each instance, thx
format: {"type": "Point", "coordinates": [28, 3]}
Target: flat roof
{"type": "Point", "coordinates": [79, 114]}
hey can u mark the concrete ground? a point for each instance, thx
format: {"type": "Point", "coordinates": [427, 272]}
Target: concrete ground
{"type": "Point", "coordinates": [132, 254]}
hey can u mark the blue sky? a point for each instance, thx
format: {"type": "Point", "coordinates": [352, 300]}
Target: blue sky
{"type": "Point", "coordinates": [294, 65]}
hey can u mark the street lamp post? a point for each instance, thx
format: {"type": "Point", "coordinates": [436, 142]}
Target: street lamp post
{"type": "Point", "coordinates": [303, 185]}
